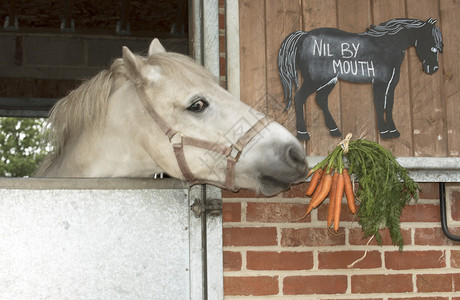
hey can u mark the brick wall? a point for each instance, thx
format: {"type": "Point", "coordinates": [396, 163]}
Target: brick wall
{"type": "Point", "coordinates": [267, 254]}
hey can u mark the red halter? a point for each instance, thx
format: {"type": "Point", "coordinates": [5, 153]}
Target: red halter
{"type": "Point", "coordinates": [178, 141]}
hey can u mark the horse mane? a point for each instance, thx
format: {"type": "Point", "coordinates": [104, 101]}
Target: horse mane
{"type": "Point", "coordinates": [84, 109]}
{"type": "Point", "coordinates": [81, 110]}
{"type": "Point", "coordinates": [393, 27]}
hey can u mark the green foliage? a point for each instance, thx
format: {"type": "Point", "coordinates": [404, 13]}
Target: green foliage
{"type": "Point", "coordinates": [384, 189]}
{"type": "Point", "coordinates": [20, 146]}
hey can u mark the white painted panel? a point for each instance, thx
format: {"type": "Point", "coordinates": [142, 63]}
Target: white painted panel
{"type": "Point", "coordinates": [95, 244]}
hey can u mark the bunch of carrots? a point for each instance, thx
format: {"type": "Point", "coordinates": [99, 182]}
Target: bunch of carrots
{"type": "Point", "coordinates": [333, 183]}
{"type": "Point", "coordinates": [385, 187]}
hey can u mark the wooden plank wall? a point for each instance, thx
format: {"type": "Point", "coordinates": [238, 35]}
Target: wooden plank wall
{"type": "Point", "coordinates": [426, 109]}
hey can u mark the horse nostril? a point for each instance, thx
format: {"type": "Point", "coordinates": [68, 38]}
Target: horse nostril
{"type": "Point", "coordinates": [295, 157]}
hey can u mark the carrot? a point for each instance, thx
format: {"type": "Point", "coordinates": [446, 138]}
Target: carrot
{"type": "Point", "coordinates": [314, 182]}
{"type": "Point", "coordinates": [349, 191]}
{"type": "Point", "coordinates": [338, 201]}
{"type": "Point", "coordinates": [330, 212]}
{"type": "Point", "coordinates": [325, 188]}
{"type": "Point", "coordinates": [315, 194]}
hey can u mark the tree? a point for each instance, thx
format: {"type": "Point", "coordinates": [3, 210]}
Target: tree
{"type": "Point", "coordinates": [21, 149]}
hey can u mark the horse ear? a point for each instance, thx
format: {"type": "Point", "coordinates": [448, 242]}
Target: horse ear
{"type": "Point", "coordinates": [137, 68]}
{"type": "Point", "coordinates": [156, 47]}
{"type": "Point", "coordinates": [131, 62]}
{"type": "Point", "coordinates": [431, 21]}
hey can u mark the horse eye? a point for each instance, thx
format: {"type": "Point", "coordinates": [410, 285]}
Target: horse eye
{"type": "Point", "coordinates": [433, 49]}
{"type": "Point", "coordinates": [198, 106]}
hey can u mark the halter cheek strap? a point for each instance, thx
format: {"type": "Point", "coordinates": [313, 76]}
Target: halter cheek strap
{"type": "Point", "coordinates": [178, 141]}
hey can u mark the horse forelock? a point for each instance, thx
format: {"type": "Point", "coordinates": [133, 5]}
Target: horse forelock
{"type": "Point", "coordinates": [437, 35]}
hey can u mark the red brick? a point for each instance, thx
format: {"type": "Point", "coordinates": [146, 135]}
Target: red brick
{"type": "Point", "coordinates": [404, 260]}
{"type": "Point", "coordinates": [434, 236]}
{"type": "Point", "coordinates": [251, 286]}
{"type": "Point", "coordinates": [270, 212]}
{"type": "Point", "coordinates": [241, 194]}
{"type": "Point", "coordinates": [455, 258]}
{"type": "Point", "coordinates": [370, 283]}
{"type": "Point", "coordinates": [429, 190]}
{"type": "Point", "coordinates": [249, 236]}
{"type": "Point", "coordinates": [454, 201]}
{"type": "Point", "coordinates": [291, 237]}
{"type": "Point", "coordinates": [345, 213]}
{"type": "Point", "coordinates": [429, 283]}
{"type": "Point", "coordinates": [296, 191]}
{"type": "Point", "coordinates": [356, 237]}
{"type": "Point", "coordinates": [421, 213]}
{"type": "Point", "coordinates": [222, 66]}
{"type": "Point", "coordinates": [231, 212]}
{"type": "Point", "coordinates": [315, 284]}
{"type": "Point", "coordinates": [221, 20]}
{"type": "Point", "coordinates": [341, 259]}
{"type": "Point", "coordinates": [270, 260]}
{"type": "Point", "coordinates": [232, 261]}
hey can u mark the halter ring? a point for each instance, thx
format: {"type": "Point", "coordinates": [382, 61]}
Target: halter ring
{"type": "Point", "coordinates": [234, 153]}
{"type": "Point", "coordinates": [176, 139]}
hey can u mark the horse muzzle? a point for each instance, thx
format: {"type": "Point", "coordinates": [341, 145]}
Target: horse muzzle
{"type": "Point", "coordinates": [430, 69]}
{"type": "Point", "coordinates": [289, 168]}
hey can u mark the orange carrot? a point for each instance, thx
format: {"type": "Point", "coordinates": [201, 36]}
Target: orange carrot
{"type": "Point", "coordinates": [349, 191]}
{"type": "Point", "coordinates": [319, 185]}
{"type": "Point", "coordinates": [325, 188]}
{"type": "Point", "coordinates": [330, 211]}
{"type": "Point", "coordinates": [338, 202]}
{"type": "Point", "coordinates": [315, 194]}
{"type": "Point", "coordinates": [314, 182]}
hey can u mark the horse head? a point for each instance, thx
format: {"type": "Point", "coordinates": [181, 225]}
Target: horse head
{"type": "Point", "coordinates": [428, 45]}
{"type": "Point", "coordinates": [189, 126]}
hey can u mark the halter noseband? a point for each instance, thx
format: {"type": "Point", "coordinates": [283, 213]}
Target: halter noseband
{"type": "Point", "coordinates": [178, 141]}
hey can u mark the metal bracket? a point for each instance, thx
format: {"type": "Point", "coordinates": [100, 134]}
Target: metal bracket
{"type": "Point", "coordinates": [67, 25]}
{"type": "Point", "coordinates": [11, 26]}
{"type": "Point", "coordinates": [123, 30]}
{"type": "Point", "coordinates": [445, 229]}
{"type": "Point", "coordinates": [212, 206]}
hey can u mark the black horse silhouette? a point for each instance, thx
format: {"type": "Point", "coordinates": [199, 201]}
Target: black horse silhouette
{"type": "Point", "coordinates": [325, 55]}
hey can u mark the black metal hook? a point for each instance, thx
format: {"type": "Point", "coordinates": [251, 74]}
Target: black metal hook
{"type": "Point", "coordinates": [442, 200]}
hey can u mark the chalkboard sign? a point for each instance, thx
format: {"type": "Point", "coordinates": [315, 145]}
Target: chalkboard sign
{"type": "Point", "coordinates": [325, 55]}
